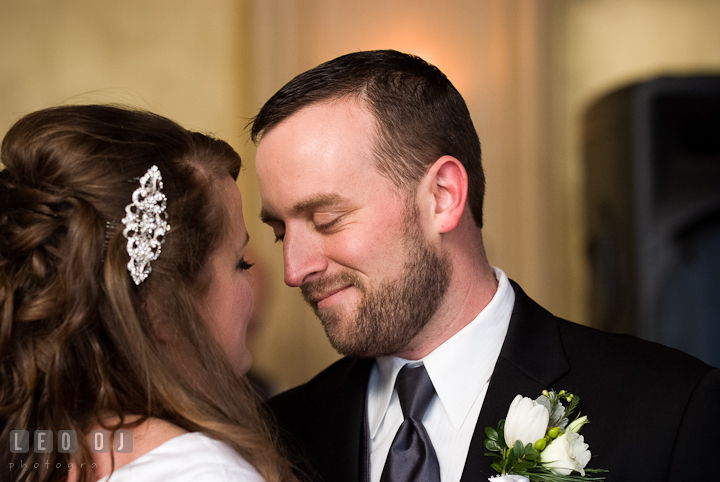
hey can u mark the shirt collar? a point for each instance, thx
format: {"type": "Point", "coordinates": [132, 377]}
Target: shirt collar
{"type": "Point", "coordinates": [458, 369]}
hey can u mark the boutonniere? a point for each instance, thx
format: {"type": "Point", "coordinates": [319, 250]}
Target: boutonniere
{"type": "Point", "coordinates": [537, 441]}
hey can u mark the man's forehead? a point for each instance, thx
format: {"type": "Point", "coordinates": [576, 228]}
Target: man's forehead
{"type": "Point", "coordinates": [325, 118]}
{"type": "Point", "coordinates": [322, 155]}
{"type": "Point", "coordinates": [318, 147]}
{"type": "Point", "coordinates": [350, 105]}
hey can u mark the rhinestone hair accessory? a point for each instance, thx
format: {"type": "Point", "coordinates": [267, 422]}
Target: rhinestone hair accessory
{"type": "Point", "coordinates": [145, 224]}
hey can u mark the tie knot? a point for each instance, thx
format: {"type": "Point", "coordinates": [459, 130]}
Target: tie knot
{"type": "Point", "coordinates": [415, 391]}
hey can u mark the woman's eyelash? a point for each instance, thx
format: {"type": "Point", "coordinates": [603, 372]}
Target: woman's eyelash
{"type": "Point", "coordinates": [244, 265]}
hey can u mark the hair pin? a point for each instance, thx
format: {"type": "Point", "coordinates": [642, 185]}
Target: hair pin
{"type": "Point", "coordinates": [145, 224]}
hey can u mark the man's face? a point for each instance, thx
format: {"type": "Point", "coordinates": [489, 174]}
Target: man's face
{"type": "Point", "coordinates": [351, 240]}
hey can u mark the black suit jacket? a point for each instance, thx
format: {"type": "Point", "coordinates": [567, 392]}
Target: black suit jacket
{"type": "Point", "coordinates": [654, 411]}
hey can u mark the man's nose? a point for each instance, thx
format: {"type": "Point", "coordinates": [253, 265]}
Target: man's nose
{"type": "Point", "coordinates": [303, 257]}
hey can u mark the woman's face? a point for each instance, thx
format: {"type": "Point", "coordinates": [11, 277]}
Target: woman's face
{"type": "Point", "coordinates": [229, 301]}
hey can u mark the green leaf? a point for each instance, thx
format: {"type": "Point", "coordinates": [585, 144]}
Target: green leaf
{"type": "Point", "coordinates": [511, 458]}
{"type": "Point", "coordinates": [520, 449]}
{"type": "Point", "coordinates": [492, 445]}
{"type": "Point", "coordinates": [498, 468]}
{"type": "Point", "coordinates": [522, 467]}
{"type": "Point", "coordinates": [491, 433]}
{"type": "Point", "coordinates": [501, 433]}
{"type": "Point", "coordinates": [521, 458]}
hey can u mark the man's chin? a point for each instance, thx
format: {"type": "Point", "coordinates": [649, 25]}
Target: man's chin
{"type": "Point", "coordinates": [350, 347]}
{"type": "Point", "coordinates": [334, 321]}
{"type": "Point", "coordinates": [348, 339]}
{"type": "Point", "coordinates": [357, 347]}
{"type": "Point", "coordinates": [342, 334]}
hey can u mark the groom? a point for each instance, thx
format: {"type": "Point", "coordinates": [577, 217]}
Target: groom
{"type": "Point", "coordinates": [370, 175]}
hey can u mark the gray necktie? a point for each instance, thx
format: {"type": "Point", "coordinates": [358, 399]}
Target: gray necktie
{"type": "Point", "coordinates": [412, 457]}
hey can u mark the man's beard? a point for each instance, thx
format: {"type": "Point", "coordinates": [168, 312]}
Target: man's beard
{"type": "Point", "coordinates": [391, 315]}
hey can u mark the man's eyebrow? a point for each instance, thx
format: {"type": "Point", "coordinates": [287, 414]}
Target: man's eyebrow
{"type": "Point", "coordinates": [312, 202]}
{"type": "Point", "coordinates": [317, 201]}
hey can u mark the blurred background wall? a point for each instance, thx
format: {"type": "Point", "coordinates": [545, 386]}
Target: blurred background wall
{"type": "Point", "coordinates": [527, 68]}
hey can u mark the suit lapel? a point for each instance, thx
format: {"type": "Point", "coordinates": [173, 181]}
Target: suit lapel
{"type": "Point", "coordinates": [531, 359]}
{"type": "Point", "coordinates": [341, 417]}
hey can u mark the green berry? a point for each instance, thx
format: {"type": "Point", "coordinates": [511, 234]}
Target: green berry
{"type": "Point", "coordinates": [554, 432]}
{"type": "Point", "coordinates": [540, 445]}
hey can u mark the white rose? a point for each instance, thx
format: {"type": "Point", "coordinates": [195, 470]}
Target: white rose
{"type": "Point", "coordinates": [526, 421]}
{"type": "Point", "coordinates": [566, 453]}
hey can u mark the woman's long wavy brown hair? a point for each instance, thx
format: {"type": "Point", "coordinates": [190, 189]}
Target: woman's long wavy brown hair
{"type": "Point", "coordinates": [77, 346]}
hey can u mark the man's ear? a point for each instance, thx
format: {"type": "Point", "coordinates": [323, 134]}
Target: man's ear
{"type": "Point", "coordinates": [448, 183]}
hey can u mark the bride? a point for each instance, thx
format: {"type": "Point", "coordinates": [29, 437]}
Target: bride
{"type": "Point", "coordinates": [124, 301]}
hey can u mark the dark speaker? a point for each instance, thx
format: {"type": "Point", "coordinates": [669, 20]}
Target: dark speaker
{"type": "Point", "coordinates": [652, 159]}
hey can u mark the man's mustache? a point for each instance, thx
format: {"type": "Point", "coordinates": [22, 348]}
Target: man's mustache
{"type": "Point", "coordinates": [315, 289]}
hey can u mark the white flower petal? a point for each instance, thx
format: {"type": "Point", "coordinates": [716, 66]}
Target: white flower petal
{"type": "Point", "coordinates": [565, 454]}
{"type": "Point", "coordinates": [526, 421]}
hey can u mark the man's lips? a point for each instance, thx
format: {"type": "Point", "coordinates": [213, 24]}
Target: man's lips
{"type": "Point", "coordinates": [318, 297]}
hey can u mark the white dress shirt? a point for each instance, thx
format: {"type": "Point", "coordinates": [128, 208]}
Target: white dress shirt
{"type": "Point", "coordinates": [460, 371]}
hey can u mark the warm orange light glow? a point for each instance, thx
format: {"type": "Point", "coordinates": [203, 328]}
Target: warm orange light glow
{"type": "Point", "coordinates": [415, 40]}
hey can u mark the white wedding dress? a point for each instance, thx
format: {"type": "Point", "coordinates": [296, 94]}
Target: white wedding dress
{"type": "Point", "coordinates": [191, 457]}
